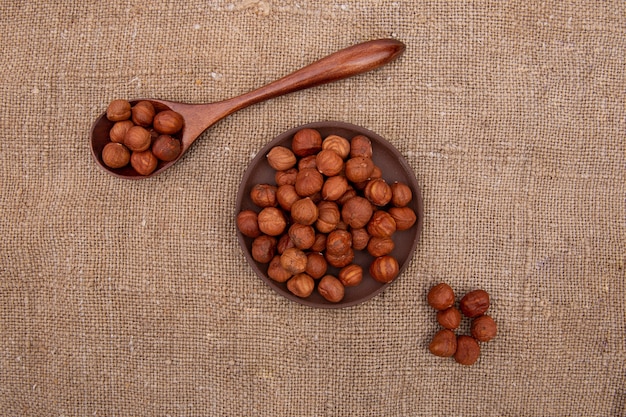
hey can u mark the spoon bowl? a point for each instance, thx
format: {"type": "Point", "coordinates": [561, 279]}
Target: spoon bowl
{"type": "Point", "coordinates": [345, 63]}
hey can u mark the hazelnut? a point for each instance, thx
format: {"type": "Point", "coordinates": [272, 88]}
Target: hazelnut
{"type": "Point", "coordinates": [316, 265]}
{"type": "Point", "coordinates": [483, 328]}
{"type": "Point", "coordinates": [334, 187]}
{"type": "Point", "coordinates": [115, 155]}
{"type": "Point", "coordinates": [137, 139]}
{"type": "Point", "coordinates": [378, 192]}
{"type": "Point", "coordinates": [331, 289]}
{"type": "Point", "coordinates": [301, 285]}
{"type": "Point", "coordinates": [474, 303]}
{"type": "Point", "coordinates": [361, 145]}
{"type": "Point", "coordinates": [359, 169]}
{"type": "Point", "coordinates": [450, 318]}
{"type": "Point", "coordinates": [293, 260]}
{"type": "Point", "coordinates": [328, 162]}
{"type": "Point", "coordinates": [338, 144]}
{"type": "Point", "coordinates": [307, 162]}
{"type": "Point", "coordinates": [286, 195]}
{"type": "Point", "coordinates": [360, 238]}
{"type": "Point", "coordinates": [404, 217]}
{"type": "Point", "coordinates": [401, 194]}
{"type": "Point", "coordinates": [320, 243]}
{"type": "Point", "coordinates": [118, 110]}
{"type": "Point", "coordinates": [338, 242]}
{"type": "Point", "coordinates": [168, 122]}
{"type": "Point", "coordinates": [284, 242]}
{"type": "Point", "coordinates": [329, 216]}
{"type": "Point", "coordinates": [376, 173]}
{"type": "Point", "coordinates": [264, 195]}
{"type": "Point", "coordinates": [301, 235]}
{"type": "Point", "coordinates": [306, 142]}
{"type": "Point", "coordinates": [350, 192]}
{"type": "Point", "coordinates": [340, 260]}
{"type": "Point", "coordinates": [276, 271]}
{"type": "Point", "coordinates": [281, 158]}
{"type": "Point", "coordinates": [247, 223]}
{"type": "Point", "coordinates": [119, 129]}
{"type": "Point", "coordinates": [381, 224]}
{"type": "Point", "coordinates": [379, 246]}
{"type": "Point", "coordinates": [467, 350]}
{"type": "Point", "coordinates": [166, 148]}
{"type": "Point", "coordinates": [143, 162]}
{"type": "Point", "coordinates": [263, 248]}
{"type": "Point", "coordinates": [384, 269]}
{"type": "Point", "coordinates": [351, 275]}
{"type": "Point", "coordinates": [286, 177]}
{"type": "Point", "coordinates": [441, 296]}
{"type": "Point", "coordinates": [308, 182]}
{"type": "Point", "coordinates": [444, 343]}
{"type": "Point", "coordinates": [356, 212]}
{"type": "Point", "coordinates": [142, 113]}
{"type": "Point", "coordinates": [304, 211]}
{"type": "Point", "coordinates": [271, 221]}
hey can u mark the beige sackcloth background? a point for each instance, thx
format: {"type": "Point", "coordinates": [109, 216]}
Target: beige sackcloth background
{"type": "Point", "coordinates": [128, 298]}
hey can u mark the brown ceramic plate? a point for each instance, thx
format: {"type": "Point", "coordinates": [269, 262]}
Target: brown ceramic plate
{"type": "Point", "coordinates": [394, 168]}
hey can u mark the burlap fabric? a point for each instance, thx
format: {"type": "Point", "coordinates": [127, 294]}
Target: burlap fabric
{"type": "Point", "coordinates": [122, 298]}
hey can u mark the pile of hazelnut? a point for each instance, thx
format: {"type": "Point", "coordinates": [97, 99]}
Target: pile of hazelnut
{"type": "Point", "coordinates": [474, 304]}
{"type": "Point", "coordinates": [329, 200]}
{"type": "Point", "coordinates": [141, 136]}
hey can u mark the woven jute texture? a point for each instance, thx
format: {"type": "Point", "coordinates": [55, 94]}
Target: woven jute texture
{"type": "Point", "coordinates": [127, 298]}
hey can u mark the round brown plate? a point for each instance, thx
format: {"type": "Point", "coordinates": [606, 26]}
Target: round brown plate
{"type": "Point", "coordinates": [394, 168]}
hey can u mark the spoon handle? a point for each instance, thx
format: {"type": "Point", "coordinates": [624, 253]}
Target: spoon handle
{"type": "Point", "coordinates": [342, 64]}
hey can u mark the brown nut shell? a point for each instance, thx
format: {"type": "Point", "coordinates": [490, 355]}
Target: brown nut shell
{"type": "Point", "coordinates": [401, 194]}
{"type": "Point", "coordinates": [137, 139]}
{"type": "Point", "coordinates": [441, 296]}
{"type": "Point", "coordinates": [306, 142]}
{"type": "Point", "coordinates": [115, 155]}
{"type": "Point", "coordinates": [168, 122]}
{"type": "Point", "coordinates": [351, 275]}
{"type": "Point", "coordinates": [443, 344]}
{"type": "Point", "coordinates": [118, 110]}
{"type": "Point", "coordinates": [379, 246]}
{"type": "Point", "coordinates": [404, 217]}
{"type": "Point", "coordinates": [247, 223]}
{"type": "Point", "coordinates": [263, 248]}
{"type": "Point", "coordinates": [166, 148]}
{"type": "Point", "coordinates": [281, 158]}
{"type": "Point", "coordinates": [304, 211]}
{"type": "Point", "coordinates": [143, 113]}
{"type": "Point", "coordinates": [381, 224]}
{"type": "Point", "coordinates": [359, 169]}
{"type": "Point", "coordinates": [276, 271]}
{"type": "Point", "coordinates": [338, 144]}
{"type": "Point", "coordinates": [357, 212]}
{"type": "Point", "coordinates": [483, 328]}
{"type": "Point", "coordinates": [286, 195]}
{"type": "Point", "coordinates": [144, 162]}
{"type": "Point", "coordinates": [301, 285]}
{"type": "Point", "coordinates": [271, 221]}
{"type": "Point", "coordinates": [378, 192]}
{"type": "Point", "coordinates": [286, 177]}
{"type": "Point", "coordinates": [338, 242]}
{"type": "Point", "coordinates": [294, 260]}
{"type": "Point", "coordinates": [308, 182]}
{"type": "Point", "coordinates": [119, 129]}
{"type": "Point", "coordinates": [331, 289]}
{"type": "Point", "coordinates": [334, 187]}
{"type": "Point", "coordinates": [467, 350]}
{"type": "Point", "coordinates": [316, 265]}
{"type": "Point", "coordinates": [361, 146]}
{"type": "Point", "coordinates": [384, 269]}
{"type": "Point", "coordinates": [328, 162]}
{"type": "Point", "coordinates": [302, 236]}
{"type": "Point", "coordinates": [264, 195]}
{"type": "Point", "coordinates": [474, 303]}
{"type": "Point", "coordinates": [329, 216]}
{"type": "Point", "coordinates": [449, 318]}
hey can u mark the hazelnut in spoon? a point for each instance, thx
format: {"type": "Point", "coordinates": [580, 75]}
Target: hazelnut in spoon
{"type": "Point", "coordinates": [196, 118]}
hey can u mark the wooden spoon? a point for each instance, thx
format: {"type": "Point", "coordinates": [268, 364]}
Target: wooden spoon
{"type": "Point", "coordinates": [345, 63]}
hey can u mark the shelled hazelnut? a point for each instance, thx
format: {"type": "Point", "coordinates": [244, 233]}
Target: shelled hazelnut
{"type": "Point", "coordinates": [465, 348]}
{"type": "Point", "coordinates": [328, 201]}
{"type": "Point", "coordinates": [135, 126]}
